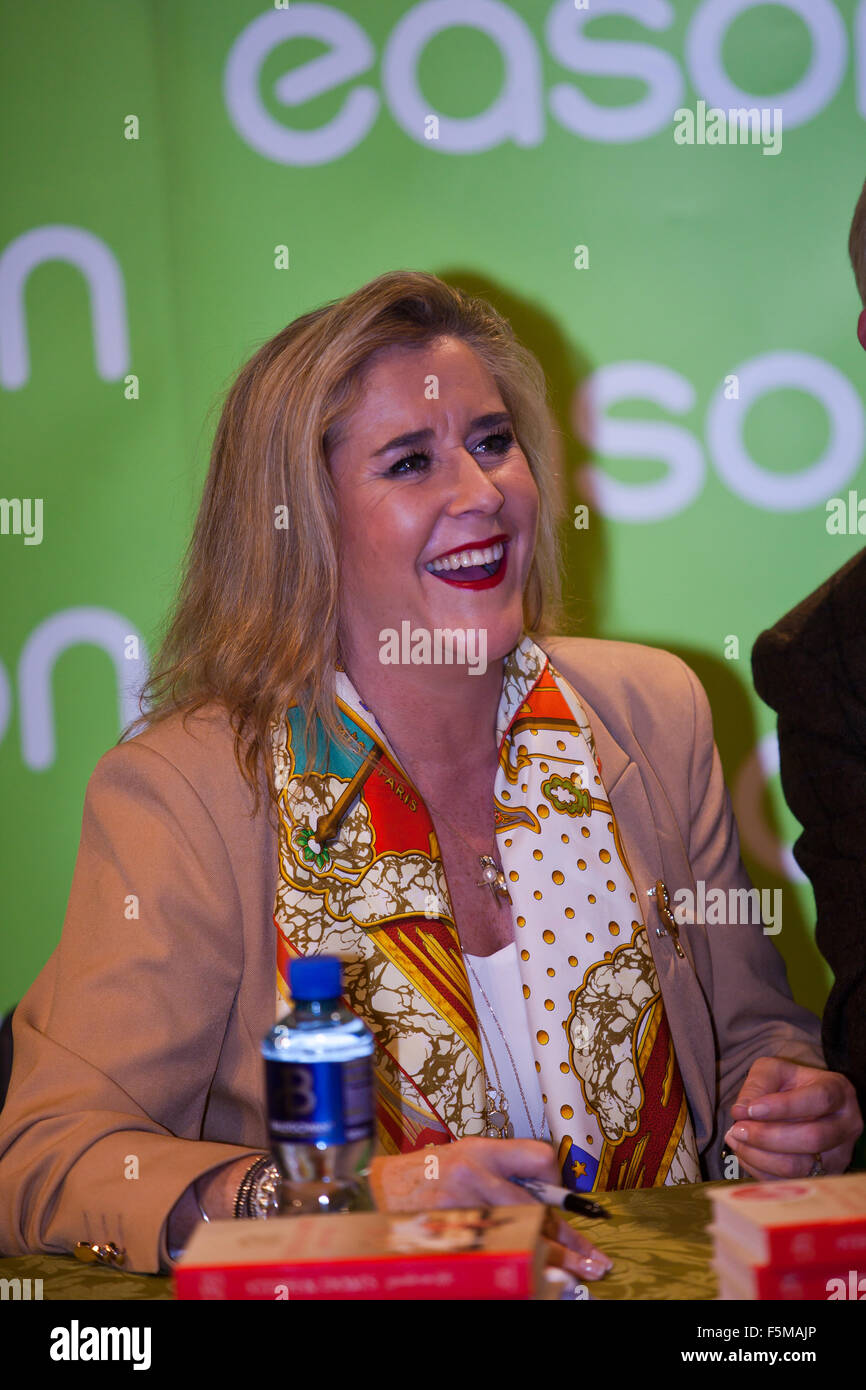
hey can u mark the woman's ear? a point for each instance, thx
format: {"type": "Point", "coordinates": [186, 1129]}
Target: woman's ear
{"type": "Point", "coordinates": [861, 328]}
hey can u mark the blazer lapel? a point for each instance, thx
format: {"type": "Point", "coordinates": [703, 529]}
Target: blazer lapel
{"type": "Point", "coordinates": [655, 850]}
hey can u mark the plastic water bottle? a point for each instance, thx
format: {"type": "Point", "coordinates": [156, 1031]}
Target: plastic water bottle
{"type": "Point", "coordinates": [320, 1093]}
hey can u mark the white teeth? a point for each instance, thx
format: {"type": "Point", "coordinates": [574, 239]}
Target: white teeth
{"type": "Point", "coordinates": [463, 559]}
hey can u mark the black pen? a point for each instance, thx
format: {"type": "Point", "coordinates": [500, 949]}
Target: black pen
{"type": "Point", "coordinates": [553, 1196]}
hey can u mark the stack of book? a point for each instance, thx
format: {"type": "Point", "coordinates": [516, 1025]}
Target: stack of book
{"type": "Point", "coordinates": [483, 1252]}
{"type": "Point", "coordinates": [804, 1239]}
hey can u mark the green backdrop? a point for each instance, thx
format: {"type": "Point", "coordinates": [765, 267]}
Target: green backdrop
{"type": "Point", "coordinates": [158, 154]}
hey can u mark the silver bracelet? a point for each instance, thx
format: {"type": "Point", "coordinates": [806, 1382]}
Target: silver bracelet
{"type": "Point", "coordinates": [257, 1194]}
{"type": "Point", "coordinates": [266, 1192]}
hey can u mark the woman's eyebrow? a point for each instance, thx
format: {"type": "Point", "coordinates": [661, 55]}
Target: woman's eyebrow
{"type": "Point", "coordinates": [400, 441]}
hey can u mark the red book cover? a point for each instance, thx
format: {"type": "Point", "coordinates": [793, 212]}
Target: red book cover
{"type": "Point", "coordinates": [839, 1278]}
{"type": "Point", "coordinates": [478, 1253]}
{"type": "Point", "coordinates": [803, 1222]}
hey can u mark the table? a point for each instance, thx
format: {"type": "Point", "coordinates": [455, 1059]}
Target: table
{"type": "Point", "coordinates": [657, 1238]}
{"type": "Point", "coordinates": [658, 1241]}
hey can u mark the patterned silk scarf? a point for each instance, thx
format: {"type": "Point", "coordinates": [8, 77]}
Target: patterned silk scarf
{"type": "Point", "coordinates": [376, 896]}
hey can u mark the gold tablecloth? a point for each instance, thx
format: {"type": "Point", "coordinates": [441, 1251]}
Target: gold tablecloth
{"type": "Point", "coordinates": [656, 1237]}
{"type": "Point", "coordinates": [658, 1240]}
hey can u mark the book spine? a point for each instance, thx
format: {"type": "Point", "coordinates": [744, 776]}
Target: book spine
{"type": "Point", "coordinates": [800, 1284]}
{"type": "Point", "coordinates": [825, 1243]}
{"type": "Point", "coordinates": [502, 1276]}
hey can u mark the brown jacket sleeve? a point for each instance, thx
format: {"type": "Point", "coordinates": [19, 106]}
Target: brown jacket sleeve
{"type": "Point", "coordinates": [116, 1042]}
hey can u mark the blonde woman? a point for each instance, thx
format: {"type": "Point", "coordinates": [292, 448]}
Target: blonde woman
{"type": "Point", "coordinates": [500, 888]}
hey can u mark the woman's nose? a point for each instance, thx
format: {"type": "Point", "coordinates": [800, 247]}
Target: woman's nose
{"type": "Point", "coordinates": [472, 488]}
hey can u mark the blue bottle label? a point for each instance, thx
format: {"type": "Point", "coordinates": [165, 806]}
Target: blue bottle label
{"type": "Point", "coordinates": [320, 1102]}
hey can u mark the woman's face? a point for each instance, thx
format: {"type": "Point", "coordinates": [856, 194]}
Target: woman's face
{"type": "Point", "coordinates": [462, 483]}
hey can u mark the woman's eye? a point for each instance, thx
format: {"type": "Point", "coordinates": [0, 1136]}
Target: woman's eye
{"type": "Point", "coordinates": [498, 443]}
{"type": "Point", "coordinates": [417, 462]}
{"type": "Point", "coordinates": [495, 444]}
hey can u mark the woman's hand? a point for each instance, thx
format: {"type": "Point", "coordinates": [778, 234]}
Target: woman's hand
{"type": "Point", "coordinates": [475, 1172]}
{"type": "Point", "coordinates": [786, 1114]}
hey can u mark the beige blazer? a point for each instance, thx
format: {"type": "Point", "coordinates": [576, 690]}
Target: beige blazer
{"type": "Point", "coordinates": [136, 1050]}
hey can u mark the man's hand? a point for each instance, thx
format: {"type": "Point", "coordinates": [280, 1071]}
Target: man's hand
{"type": "Point", "coordinates": [786, 1114]}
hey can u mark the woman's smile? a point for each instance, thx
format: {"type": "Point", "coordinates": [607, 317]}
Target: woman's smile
{"type": "Point", "coordinates": [478, 565]}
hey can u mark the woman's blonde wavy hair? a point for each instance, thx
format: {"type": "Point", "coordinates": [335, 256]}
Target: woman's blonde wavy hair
{"type": "Point", "coordinates": [254, 626]}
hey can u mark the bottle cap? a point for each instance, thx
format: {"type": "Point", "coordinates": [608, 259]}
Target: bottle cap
{"type": "Point", "coordinates": [316, 977]}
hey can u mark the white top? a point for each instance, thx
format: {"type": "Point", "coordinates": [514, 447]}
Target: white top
{"type": "Point", "coordinates": [499, 975]}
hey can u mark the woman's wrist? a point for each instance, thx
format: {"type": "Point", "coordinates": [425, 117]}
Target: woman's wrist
{"type": "Point", "coordinates": [210, 1197]}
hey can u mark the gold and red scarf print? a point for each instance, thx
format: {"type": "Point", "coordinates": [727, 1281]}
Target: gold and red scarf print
{"type": "Point", "coordinates": [376, 896]}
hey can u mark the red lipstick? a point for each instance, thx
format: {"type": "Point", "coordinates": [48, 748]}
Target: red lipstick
{"type": "Point", "coordinates": [475, 575]}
